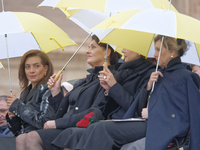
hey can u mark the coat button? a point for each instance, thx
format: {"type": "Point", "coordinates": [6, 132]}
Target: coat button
{"type": "Point", "coordinates": [76, 108]}
{"type": "Point", "coordinates": [60, 109]}
{"type": "Point", "coordinates": [173, 116]}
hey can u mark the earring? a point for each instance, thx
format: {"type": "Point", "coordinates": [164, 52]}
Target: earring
{"type": "Point", "coordinates": [45, 74]}
{"type": "Point", "coordinates": [172, 56]}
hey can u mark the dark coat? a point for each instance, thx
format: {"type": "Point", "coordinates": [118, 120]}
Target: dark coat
{"type": "Point", "coordinates": [79, 99]}
{"type": "Point", "coordinates": [174, 107]}
{"type": "Point", "coordinates": [131, 77]}
{"type": "Point", "coordinates": [32, 111]}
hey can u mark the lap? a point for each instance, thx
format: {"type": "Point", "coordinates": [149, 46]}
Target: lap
{"type": "Point", "coordinates": [122, 132]}
{"type": "Point", "coordinates": [125, 129]}
{"type": "Point", "coordinates": [69, 137]}
{"type": "Point", "coordinates": [48, 135]}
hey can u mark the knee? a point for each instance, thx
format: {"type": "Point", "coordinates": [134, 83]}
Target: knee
{"type": "Point", "coordinates": [32, 138]}
{"type": "Point", "coordinates": [20, 138]}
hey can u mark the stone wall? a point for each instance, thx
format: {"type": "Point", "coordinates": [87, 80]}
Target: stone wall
{"type": "Point", "coordinates": [77, 67]}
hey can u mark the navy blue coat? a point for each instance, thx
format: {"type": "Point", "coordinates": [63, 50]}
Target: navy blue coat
{"type": "Point", "coordinates": [174, 107]}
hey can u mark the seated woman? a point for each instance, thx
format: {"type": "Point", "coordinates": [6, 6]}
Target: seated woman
{"type": "Point", "coordinates": [78, 100]}
{"type": "Point", "coordinates": [120, 92]}
{"type": "Point", "coordinates": [32, 110]}
{"type": "Point", "coordinates": [173, 105]}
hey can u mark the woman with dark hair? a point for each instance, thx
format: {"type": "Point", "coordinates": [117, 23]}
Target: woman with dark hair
{"type": "Point", "coordinates": [32, 109]}
{"type": "Point", "coordinates": [75, 104]}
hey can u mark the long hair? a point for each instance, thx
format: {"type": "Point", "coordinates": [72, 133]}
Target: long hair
{"type": "Point", "coordinates": [23, 80]}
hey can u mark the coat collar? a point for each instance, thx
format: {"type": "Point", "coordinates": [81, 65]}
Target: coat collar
{"type": "Point", "coordinates": [29, 93]}
{"type": "Point", "coordinates": [174, 64]}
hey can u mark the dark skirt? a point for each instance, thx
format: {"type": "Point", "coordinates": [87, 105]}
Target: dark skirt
{"type": "Point", "coordinates": [47, 136]}
{"type": "Point", "coordinates": [109, 135]}
{"type": "Point", "coordinates": [68, 138]}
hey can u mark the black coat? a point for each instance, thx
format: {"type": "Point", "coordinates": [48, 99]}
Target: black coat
{"type": "Point", "coordinates": [131, 77]}
{"type": "Point", "coordinates": [32, 110]}
{"type": "Point", "coordinates": [81, 98]}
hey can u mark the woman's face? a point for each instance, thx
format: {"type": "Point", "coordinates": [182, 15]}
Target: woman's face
{"type": "Point", "coordinates": [34, 69]}
{"type": "Point", "coordinates": [130, 55]}
{"type": "Point", "coordinates": [196, 69]}
{"type": "Point", "coordinates": [165, 55]}
{"type": "Point", "coordinates": [95, 54]}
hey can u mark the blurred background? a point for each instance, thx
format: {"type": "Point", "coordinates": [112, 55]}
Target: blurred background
{"type": "Point", "coordinates": [77, 67]}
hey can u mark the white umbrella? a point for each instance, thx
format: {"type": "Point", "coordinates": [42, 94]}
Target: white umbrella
{"type": "Point", "coordinates": [23, 31]}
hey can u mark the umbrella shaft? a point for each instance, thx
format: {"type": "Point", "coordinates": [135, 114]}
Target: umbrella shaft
{"type": "Point", "coordinates": [76, 52]}
{"type": "Point", "coordinates": [106, 57]}
{"type": "Point", "coordinates": [170, 4]}
{"type": "Point", "coordinates": [158, 62]}
{"type": "Point", "coordinates": [8, 63]}
{"type": "Point", "coordinates": [2, 5]}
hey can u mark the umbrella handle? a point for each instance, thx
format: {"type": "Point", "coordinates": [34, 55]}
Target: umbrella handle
{"type": "Point", "coordinates": [56, 78]}
{"type": "Point", "coordinates": [105, 64]}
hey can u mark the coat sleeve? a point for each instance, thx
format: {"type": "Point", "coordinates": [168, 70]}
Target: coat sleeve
{"type": "Point", "coordinates": [69, 120]}
{"type": "Point", "coordinates": [121, 96]}
{"type": "Point", "coordinates": [194, 105]}
{"type": "Point", "coordinates": [55, 102]}
{"type": "Point", "coordinates": [34, 113]}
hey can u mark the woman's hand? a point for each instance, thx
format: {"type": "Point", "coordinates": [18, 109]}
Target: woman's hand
{"type": "Point", "coordinates": [10, 100]}
{"type": "Point", "coordinates": [11, 115]}
{"type": "Point", "coordinates": [50, 124]}
{"type": "Point", "coordinates": [55, 85]}
{"type": "Point", "coordinates": [153, 78]}
{"type": "Point", "coordinates": [144, 113]}
{"type": "Point", "coordinates": [107, 80]}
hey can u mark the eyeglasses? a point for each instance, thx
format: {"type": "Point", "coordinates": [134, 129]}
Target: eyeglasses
{"type": "Point", "coordinates": [3, 110]}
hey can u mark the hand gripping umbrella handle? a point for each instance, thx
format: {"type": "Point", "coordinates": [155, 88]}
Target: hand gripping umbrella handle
{"type": "Point", "coordinates": [56, 78]}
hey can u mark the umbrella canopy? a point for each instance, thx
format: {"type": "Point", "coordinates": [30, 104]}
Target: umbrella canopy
{"type": "Point", "coordinates": [89, 12]}
{"type": "Point", "coordinates": [88, 16]}
{"type": "Point", "coordinates": [135, 29]}
{"type": "Point", "coordinates": [25, 31]}
{"type": "Point", "coordinates": [109, 5]}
